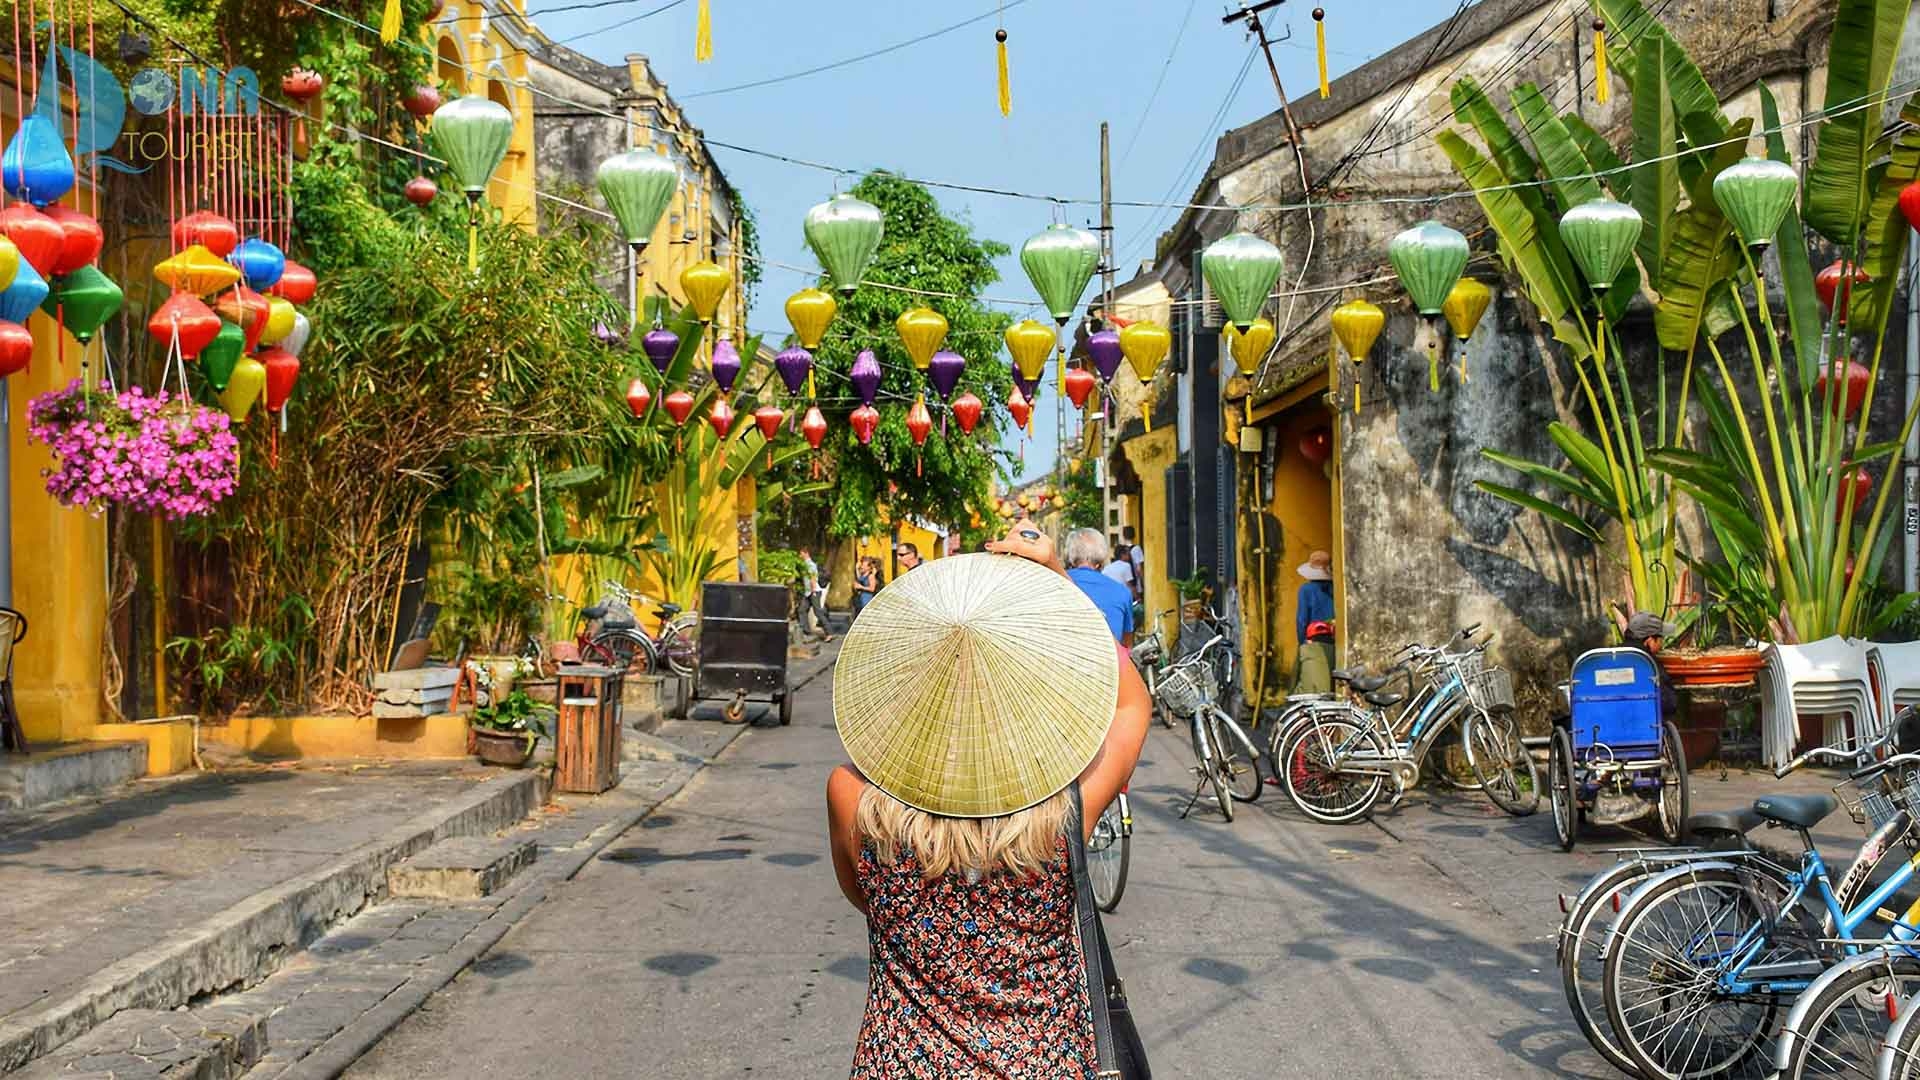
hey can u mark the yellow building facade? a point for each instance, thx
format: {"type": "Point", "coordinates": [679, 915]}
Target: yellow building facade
{"type": "Point", "coordinates": [476, 56]}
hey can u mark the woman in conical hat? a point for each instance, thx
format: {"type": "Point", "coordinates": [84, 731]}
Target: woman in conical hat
{"type": "Point", "coordinates": [973, 696]}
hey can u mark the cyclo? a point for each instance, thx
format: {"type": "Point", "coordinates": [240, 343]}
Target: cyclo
{"type": "Point", "coordinates": [1614, 757]}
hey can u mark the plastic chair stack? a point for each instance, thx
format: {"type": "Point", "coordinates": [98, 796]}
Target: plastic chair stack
{"type": "Point", "coordinates": [1830, 678]}
{"type": "Point", "coordinates": [1895, 670]}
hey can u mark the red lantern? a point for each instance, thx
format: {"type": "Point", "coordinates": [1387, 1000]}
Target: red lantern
{"type": "Point", "coordinates": [434, 8]}
{"type": "Point", "coordinates": [721, 417]}
{"type": "Point", "coordinates": [421, 190]}
{"type": "Point", "coordinates": [248, 310]}
{"type": "Point", "coordinates": [209, 230]}
{"type": "Point", "coordinates": [814, 426]}
{"type": "Point", "coordinates": [16, 348]}
{"type": "Point", "coordinates": [919, 422]}
{"type": "Point", "coordinates": [190, 317]}
{"type": "Point", "coordinates": [39, 237]}
{"type": "Point", "coordinates": [422, 100]}
{"type": "Point", "coordinates": [679, 405]}
{"type": "Point", "coordinates": [769, 418]}
{"type": "Point", "coordinates": [1910, 203]}
{"type": "Point", "coordinates": [1019, 408]}
{"type": "Point", "coordinates": [638, 398]}
{"type": "Point", "coordinates": [1853, 393]}
{"type": "Point", "coordinates": [80, 239]}
{"type": "Point", "coordinates": [863, 421]}
{"type": "Point", "coordinates": [1317, 446]}
{"type": "Point", "coordinates": [966, 412]}
{"type": "Point", "coordinates": [296, 285]}
{"type": "Point", "coordinates": [1080, 383]}
{"type": "Point", "coordinates": [1856, 484]}
{"type": "Point", "coordinates": [283, 370]}
{"type": "Point", "coordinates": [302, 84]}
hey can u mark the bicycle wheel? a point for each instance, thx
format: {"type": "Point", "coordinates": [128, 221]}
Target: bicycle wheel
{"type": "Point", "coordinates": [1900, 1058]}
{"type": "Point", "coordinates": [1209, 764]}
{"type": "Point", "coordinates": [1666, 952]}
{"type": "Point", "coordinates": [1108, 852]}
{"type": "Point", "coordinates": [680, 643]}
{"type": "Point", "coordinates": [1506, 769]}
{"type": "Point", "coordinates": [1314, 780]}
{"type": "Point", "coordinates": [1676, 798]}
{"type": "Point", "coordinates": [1844, 1023]}
{"type": "Point", "coordinates": [1456, 764]}
{"type": "Point", "coordinates": [623, 650]}
{"type": "Point", "coordinates": [1583, 934]}
{"type": "Point", "coordinates": [1239, 758]}
{"type": "Point", "coordinates": [1566, 812]}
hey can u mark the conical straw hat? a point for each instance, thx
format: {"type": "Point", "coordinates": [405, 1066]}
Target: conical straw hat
{"type": "Point", "coordinates": [976, 685]}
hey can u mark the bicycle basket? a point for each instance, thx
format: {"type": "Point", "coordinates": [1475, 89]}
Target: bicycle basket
{"type": "Point", "coordinates": [1872, 802]}
{"type": "Point", "coordinates": [1186, 688]}
{"type": "Point", "coordinates": [1491, 689]}
{"type": "Point", "coordinates": [1147, 650]}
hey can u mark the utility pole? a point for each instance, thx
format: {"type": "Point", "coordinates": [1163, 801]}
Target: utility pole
{"type": "Point", "coordinates": [1105, 461]}
{"type": "Point", "coordinates": [1250, 13]}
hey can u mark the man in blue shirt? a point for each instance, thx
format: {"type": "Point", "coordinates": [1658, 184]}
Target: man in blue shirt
{"type": "Point", "coordinates": [1314, 612]}
{"type": "Point", "coordinates": [1085, 553]}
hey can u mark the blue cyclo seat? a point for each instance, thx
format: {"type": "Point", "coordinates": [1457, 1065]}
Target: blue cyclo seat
{"type": "Point", "coordinates": [1800, 811]}
{"type": "Point", "coordinates": [1615, 700]}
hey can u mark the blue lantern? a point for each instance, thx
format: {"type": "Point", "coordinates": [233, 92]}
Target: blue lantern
{"type": "Point", "coordinates": [24, 296]}
{"type": "Point", "coordinates": [35, 166]}
{"type": "Point", "coordinates": [259, 262]}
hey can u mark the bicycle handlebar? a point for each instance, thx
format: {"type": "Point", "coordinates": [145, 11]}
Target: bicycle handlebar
{"type": "Point", "coordinates": [1829, 753]}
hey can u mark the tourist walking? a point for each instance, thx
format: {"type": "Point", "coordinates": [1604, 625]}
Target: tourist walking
{"type": "Point", "coordinates": [814, 602]}
{"type": "Point", "coordinates": [907, 555]}
{"type": "Point", "coordinates": [1086, 556]}
{"type": "Point", "coordinates": [866, 582]}
{"type": "Point", "coordinates": [960, 861]}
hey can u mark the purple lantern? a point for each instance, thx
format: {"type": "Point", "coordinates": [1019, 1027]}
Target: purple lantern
{"type": "Point", "coordinates": [865, 376]}
{"type": "Point", "coordinates": [660, 344]}
{"type": "Point", "coordinates": [793, 364]}
{"type": "Point", "coordinates": [1104, 347]}
{"type": "Point", "coordinates": [605, 335]}
{"type": "Point", "coordinates": [944, 371]}
{"type": "Point", "coordinates": [726, 365]}
{"type": "Point", "coordinates": [1028, 387]}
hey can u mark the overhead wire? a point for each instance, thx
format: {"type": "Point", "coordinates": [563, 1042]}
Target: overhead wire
{"type": "Point", "coordinates": [1158, 82]}
{"type": "Point", "coordinates": [592, 5]}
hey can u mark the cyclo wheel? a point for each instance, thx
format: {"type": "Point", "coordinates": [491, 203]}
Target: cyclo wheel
{"type": "Point", "coordinates": [1676, 798]}
{"type": "Point", "coordinates": [1506, 769]}
{"type": "Point", "coordinates": [1108, 852]}
{"type": "Point", "coordinates": [1318, 787]}
{"type": "Point", "coordinates": [1239, 759]}
{"type": "Point", "coordinates": [1209, 762]}
{"type": "Point", "coordinates": [1845, 1023]}
{"type": "Point", "coordinates": [1566, 812]}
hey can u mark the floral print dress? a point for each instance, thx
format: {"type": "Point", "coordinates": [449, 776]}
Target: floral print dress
{"type": "Point", "coordinates": [973, 980]}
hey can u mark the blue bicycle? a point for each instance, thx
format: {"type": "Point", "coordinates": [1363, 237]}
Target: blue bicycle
{"type": "Point", "coordinates": [1703, 958]}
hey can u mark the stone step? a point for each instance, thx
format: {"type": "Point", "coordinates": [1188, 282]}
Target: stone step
{"type": "Point", "coordinates": [464, 868]}
{"type": "Point", "coordinates": [386, 711]}
{"type": "Point", "coordinates": [429, 678]}
{"type": "Point", "coordinates": [438, 695]}
{"type": "Point", "coordinates": [49, 774]}
{"type": "Point", "coordinates": [211, 1043]}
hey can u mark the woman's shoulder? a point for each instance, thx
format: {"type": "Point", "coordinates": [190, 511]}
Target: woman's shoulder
{"type": "Point", "coordinates": [845, 783]}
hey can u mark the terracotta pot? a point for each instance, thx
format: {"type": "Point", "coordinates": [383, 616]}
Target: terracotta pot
{"type": "Point", "coordinates": [1716, 668]}
{"type": "Point", "coordinates": [508, 748]}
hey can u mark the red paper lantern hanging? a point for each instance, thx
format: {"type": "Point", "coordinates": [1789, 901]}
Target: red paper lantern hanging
{"type": "Point", "coordinates": [1910, 203]}
{"type": "Point", "coordinates": [1080, 384]}
{"type": "Point", "coordinates": [297, 284]}
{"type": "Point", "coordinates": [422, 100]}
{"type": "Point", "coordinates": [919, 422]}
{"type": "Point", "coordinates": [80, 237]}
{"type": "Point", "coordinates": [1828, 283]}
{"type": "Point", "coordinates": [863, 421]}
{"type": "Point", "coordinates": [679, 405]}
{"type": "Point", "coordinates": [768, 419]}
{"type": "Point", "coordinates": [1852, 393]}
{"type": "Point", "coordinates": [1856, 484]}
{"type": "Point", "coordinates": [16, 348]}
{"type": "Point", "coordinates": [721, 417]}
{"type": "Point", "coordinates": [190, 317]}
{"type": "Point", "coordinates": [1317, 446]}
{"type": "Point", "coordinates": [39, 237]}
{"type": "Point", "coordinates": [248, 310]}
{"type": "Point", "coordinates": [966, 412]}
{"type": "Point", "coordinates": [209, 230]}
{"type": "Point", "coordinates": [421, 190]}
{"type": "Point", "coordinates": [283, 370]}
{"type": "Point", "coordinates": [302, 85]}
{"type": "Point", "coordinates": [638, 398]}
{"type": "Point", "coordinates": [1019, 408]}
{"type": "Point", "coordinates": [814, 426]}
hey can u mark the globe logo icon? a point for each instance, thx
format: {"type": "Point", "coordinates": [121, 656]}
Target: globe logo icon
{"type": "Point", "coordinates": [151, 92]}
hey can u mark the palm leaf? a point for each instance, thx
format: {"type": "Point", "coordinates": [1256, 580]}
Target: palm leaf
{"type": "Point", "coordinates": [1887, 232]}
{"type": "Point", "coordinates": [1472, 106]}
{"type": "Point", "coordinates": [1656, 179]}
{"type": "Point", "coordinates": [1584, 453]}
{"type": "Point", "coordinates": [1699, 253]}
{"type": "Point", "coordinates": [1600, 156]}
{"type": "Point", "coordinates": [1866, 40]}
{"type": "Point", "coordinates": [1565, 163]}
{"type": "Point", "coordinates": [1546, 474]}
{"type": "Point", "coordinates": [1558, 514]}
{"type": "Point", "coordinates": [1633, 37]}
{"type": "Point", "coordinates": [1790, 247]}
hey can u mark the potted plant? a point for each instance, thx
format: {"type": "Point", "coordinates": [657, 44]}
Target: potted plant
{"type": "Point", "coordinates": [1719, 646]}
{"type": "Point", "coordinates": [495, 614]}
{"type": "Point", "coordinates": [1193, 594]}
{"type": "Point", "coordinates": [506, 730]}
{"type": "Point", "coordinates": [148, 453]}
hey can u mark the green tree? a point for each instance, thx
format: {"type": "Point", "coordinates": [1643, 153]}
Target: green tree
{"type": "Point", "coordinates": [1081, 498]}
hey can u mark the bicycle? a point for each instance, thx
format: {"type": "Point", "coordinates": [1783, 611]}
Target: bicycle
{"type": "Point", "coordinates": [1149, 654]}
{"type": "Point", "coordinates": [1224, 755]}
{"type": "Point", "coordinates": [1218, 637]}
{"type": "Point", "coordinates": [1109, 851]}
{"type": "Point", "coordinates": [1703, 955]}
{"type": "Point", "coordinates": [676, 644]}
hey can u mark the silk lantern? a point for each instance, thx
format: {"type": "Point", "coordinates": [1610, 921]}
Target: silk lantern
{"type": "Point", "coordinates": [705, 283]}
{"type": "Point", "coordinates": [1029, 387]}
{"type": "Point", "coordinates": [1756, 194]}
{"type": "Point", "coordinates": [919, 422]}
{"type": "Point", "coordinates": [248, 309]}
{"type": "Point", "coordinates": [660, 344]}
{"type": "Point", "coordinates": [83, 301]}
{"type": "Point", "coordinates": [1855, 488]}
{"type": "Point", "coordinates": [844, 232]}
{"type": "Point", "coordinates": [1146, 345]}
{"type": "Point", "coordinates": [1080, 385]}
{"type": "Point", "coordinates": [222, 355]}
{"type": "Point", "coordinates": [421, 191]}
{"type": "Point", "coordinates": [922, 330]}
{"type": "Point", "coordinates": [865, 376]}
{"type": "Point", "coordinates": [1316, 446]}
{"type": "Point", "coordinates": [1600, 236]}
{"type": "Point", "coordinates": [638, 398]}
{"type": "Point", "coordinates": [1357, 324]}
{"type": "Point", "coordinates": [768, 419]}
{"type": "Point", "coordinates": [863, 421]}
{"type": "Point", "coordinates": [1910, 204]}
{"type": "Point", "coordinates": [302, 85]}
{"type": "Point", "coordinates": [1019, 408]}
{"type": "Point", "coordinates": [187, 316]}
{"type": "Point", "coordinates": [20, 298]}
{"type": "Point", "coordinates": [1429, 258]}
{"type": "Point", "coordinates": [280, 316]}
{"type": "Point", "coordinates": [637, 184]}
{"type": "Point", "coordinates": [16, 348]}
{"type": "Point", "coordinates": [1466, 302]}
{"type": "Point", "coordinates": [1241, 269]}
{"type": "Point", "coordinates": [794, 364]}
{"type": "Point", "coordinates": [1029, 343]}
{"type": "Point", "coordinates": [944, 372]}
{"type": "Point", "coordinates": [1104, 347]}
{"type": "Point", "coordinates": [1837, 281]}
{"type": "Point", "coordinates": [813, 427]}
{"type": "Point", "coordinates": [679, 405]}
{"type": "Point", "coordinates": [1853, 377]}
{"type": "Point", "coordinates": [283, 371]}
{"type": "Point", "coordinates": [725, 365]}
{"type": "Point", "coordinates": [422, 100]}
{"type": "Point", "coordinates": [80, 239]}
{"type": "Point", "coordinates": [9, 262]}
{"type": "Point", "coordinates": [35, 166]}
{"type": "Point", "coordinates": [212, 231]}
{"type": "Point", "coordinates": [244, 388]}
{"type": "Point", "coordinates": [1249, 347]}
{"type": "Point", "coordinates": [472, 135]}
{"type": "Point", "coordinates": [260, 263]}
{"type": "Point", "coordinates": [808, 312]}
{"type": "Point", "coordinates": [297, 283]}
{"type": "Point", "coordinates": [37, 237]}
{"type": "Point", "coordinates": [196, 270]}
{"type": "Point", "coordinates": [966, 412]}
{"type": "Point", "coordinates": [721, 417]}
{"type": "Point", "coordinates": [1060, 261]}
{"type": "Point", "coordinates": [296, 340]}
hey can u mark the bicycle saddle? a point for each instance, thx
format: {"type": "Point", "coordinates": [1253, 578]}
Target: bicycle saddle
{"type": "Point", "coordinates": [1800, 811]}
{"type": "Point", "coordinates": [1344, 675]}
{"type": "Point", "coordinates": [1385, 698]}
{"type": "Point", "coordinates": [668, 611]}
{"type": "Point", "coordinates": [1737, 822]}
{"type": "Point", "coordinates": [597, 611]}
{"type": "Point", "coordinates": [1367, 684]}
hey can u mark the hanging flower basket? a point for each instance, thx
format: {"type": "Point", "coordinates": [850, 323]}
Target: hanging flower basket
{"type": "Point", "coordinates": [149, 453]}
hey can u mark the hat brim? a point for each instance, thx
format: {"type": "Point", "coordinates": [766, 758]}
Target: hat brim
{"type": "Point", "coordinates": [1313, 573]}
{"type": "Point", "coordinates": [978, 686]}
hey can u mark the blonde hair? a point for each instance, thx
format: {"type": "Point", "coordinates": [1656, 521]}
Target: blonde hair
{"type": "Point", "coordinates": [1021, 843]}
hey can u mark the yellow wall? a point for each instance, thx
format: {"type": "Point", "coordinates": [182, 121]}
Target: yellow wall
{"type": "Point", "coordinates": [169, 745]}
{"type": "Point", "coordinates": [343, 737]}
{"type": "Point", "coordinates": [476, 59]}
{"type": "Point", "coordinates": [1150, 454]}
{"type": "Point", "coordinates": [1302, 506]}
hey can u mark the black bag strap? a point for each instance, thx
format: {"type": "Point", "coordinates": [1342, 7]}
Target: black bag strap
{"type": "Point", "coordinates": [1093, 943]}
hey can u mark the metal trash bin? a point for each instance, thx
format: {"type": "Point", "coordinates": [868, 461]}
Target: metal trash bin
{"type": "Point", "coordinates": [743, 647]}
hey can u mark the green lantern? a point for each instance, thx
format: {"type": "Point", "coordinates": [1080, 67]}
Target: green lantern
{"type": "Point", "coordinates": [637, 186]}
{"type": "Point", "coordinates": [472, 134]}
{"type": "Point", "coordinates": [1242, 270]}
{"type": "Point", "coordinates": [1060, 261]}
{"type": "Point", "coordinates": [221, 354]}
{"type": "Point", "coordinates": [83, 301]}
{"type": "Point", "coordinates": [844, 232]}
{"type": "Point", "coordinates": [1429, 258]}
{"type": "Point", "coordinates": [1600, 235]}
{"type": "Point", "coordinates": [1756, 194]}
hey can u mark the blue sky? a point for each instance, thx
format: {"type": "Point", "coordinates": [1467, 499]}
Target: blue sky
{"type": "Point", "coordinates": [928, 110]}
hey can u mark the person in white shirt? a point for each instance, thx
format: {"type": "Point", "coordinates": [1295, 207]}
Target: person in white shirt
{"type": "Point", "coordinates": [814, 603]}
{"type": "Point", "coordinates": [1135, 556]}
{"type": "Point", "coordinates": [1121, 571]}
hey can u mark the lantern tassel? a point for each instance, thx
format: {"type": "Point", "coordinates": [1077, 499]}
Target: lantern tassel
{"type": "Point", "coordinates": [810, 394]}
{"type": "Point", "coordinates": [390, 23]}
{"type": "Point", "coordinates": [1146, 415]}
{"type": "Point", "coordinates": [1006, 83]}
{"type": "Point", "coordinates": [1060, 369]}
{"type": "Point", "coordinates": [1433, 370]}
{"type": "Point", "coordinates": [703, 33]}
{"type": "Point", "coordinates": [1600, 89]}
{"type": "Point", "coordinates": [1359, 379]}
{"type": "Point", "coordinates": [1320, 49]}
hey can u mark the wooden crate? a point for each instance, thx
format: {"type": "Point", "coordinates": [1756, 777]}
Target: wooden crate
{"type": "Point", "coordinates": [586, 743]}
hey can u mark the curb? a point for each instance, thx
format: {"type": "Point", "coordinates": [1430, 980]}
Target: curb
{"type": "Point", "coordinates": [246, 942]}
{"type": "Point", "coordinates": [335, 1056]}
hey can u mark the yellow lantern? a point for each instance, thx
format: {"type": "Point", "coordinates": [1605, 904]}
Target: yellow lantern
{"type": "Point", "coordinates": [280, 316]}
{"type": "Point", "coordinates": [1464, 305]}
{"type": "Point", "coordinates": [1249, 347]}
{"type": "Point", "coordinates": [244, 387]}
{"type": "Point", "coordinates": [705, 283]}
{"type": "Point", "coordinates": [1145, 345]}
{"type": "Point", "coordinates": [808, 312]}
{"type": "Point", "coordinates": [1029, 343]}
{"type": "Point", "coordinates": [1357, 324]}
{"type": "Point", "coordinates": [922, 331]}
{"type": "Point", "coordinates": [196, 270]}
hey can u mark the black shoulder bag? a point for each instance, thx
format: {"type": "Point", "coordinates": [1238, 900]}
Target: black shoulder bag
{"type": "Point", "coordinates": [1116, 1041]}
